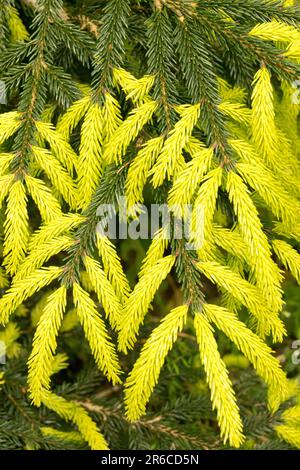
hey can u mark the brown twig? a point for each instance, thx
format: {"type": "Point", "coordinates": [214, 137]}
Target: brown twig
{"type": "Point", "coordinates": [84, 21]}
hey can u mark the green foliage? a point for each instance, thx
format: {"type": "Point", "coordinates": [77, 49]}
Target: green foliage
{"type": "Point", "coordinates": [180, 415]}
{"type": "Point", "coordinates": [178, 102]}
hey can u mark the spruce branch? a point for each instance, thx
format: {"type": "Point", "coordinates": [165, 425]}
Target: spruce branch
{"type": "Point", "coordinates": [6, 4]}
{"type": "Point", "coordinates": [34, 93]}
{"type": "Point", "coordinates": [161, 63]}
{"type": "Point", "coordinates": [252, 11]}
{"type": "Point", "coordinates": [251, 50]}
{"type": "Point", "coordinates": [199, 71]}
{"type": "Point", "coordinates": [110, 45]}
{"type": "Point", "coordinates": [166, 104]}
{"type": "Point", "coordinates": [111, 187]}
{"type": "Point", "coordinates": [154, 425]}
{"type": "Point", "coordinates": [188, 275]}
{"type": "Point", "coordinates": [39, 73]}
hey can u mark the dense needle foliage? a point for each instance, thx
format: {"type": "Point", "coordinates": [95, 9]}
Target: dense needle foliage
{"type": "Point", "coordinates": [184, 103]}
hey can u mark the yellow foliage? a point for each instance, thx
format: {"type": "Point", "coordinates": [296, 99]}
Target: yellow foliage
{"type": "Point", "coordinates": [3, 279]}
{"type": "Point", "coordinates": [5, 160]}
{"type": "Point", "coordinates": [95, 331]}
{"type": "Point", "coordinates": [188, 179]}
{"type": "Point", "coordinates": [228, 196]}
{"type": "Point", "coordinates": [5, 184]}
{"type": "Point", "coordinates": [139, 170]}
{"type": "Point", "coordinates": [236, 111]}
{"type": "Point", "coordinates": [113, 267]}
{"type": "Point", "coordinates": [37, 310]}
{"type": "Point", "coordinates": [9, 124]}
{"type": "Point", "coordinates": [60, 362]}
{"type": "Point", "coordinates": [178, 138]}
{"type": "Point", "coordinates": [65, 436]}
{"type": "Point", "coordinates": [44, 345]}
{"type": "Point", "coordinates": [72, 411]}
{"type": "Point", "coordinates": [57, 227]}
{"type": "Point", "coordinates": [264, 130]}
{"type": "Point", "coordinates": [59, 146]}
{"type": "Point", "coordinates": [203, 211]}
{"type": "Point", "coordinates": [145, 373]}
{"type": "Point", "coordinates": [247, 294]}
{"type": "Point", "coordinates": [128, 131]}
{"type": "Point", "coordinates": [232, 94]}
{"type": "Point", "coordinates": [90, 155]}
{"type": "Point", "coordinates": [138, 302]}
{"type": "Point", "coordinates": [46, 202]}
{"type": "Point", "coordinates": [222, 394]}
{"type": "Point", "coordinates": [17, 29]}
{"type": "Point", "coordinates": [112, 117]}
{"type": "Point", "coordinates": [267, 274]}
{"type": "Point", "coordinates": [258, 353]}
{"type": "Point", "coordinates": [57, 174]}
{"type": "Point", "coordinates": [136, 90]}
{"type": "Point", "coordinates": [293, 51]}
{"type": "Point", "coordinates": [42, 253]}
{"type": "Point", "coordinates": [70, 321]}
{"type": "Point", "coordinates": [275, 31]}
{"type": "Point", "coordinates": [16, 228]}
{"type": "Point", "coordinates": [289, 434]}
{"type": "Point", "coordinates": [288, 256]}
{"type": "Point", "coordinates": [155, 251]}
{"type": "Point", "coordinates": [282, 204]}
{"type": "Point", "coordinates": [231, 241]}
{"type": "Point", "coordinates": [71, 118]}
{"type": "Point", "coordinates": [20, 290]}
{"type": "Point", "coordinates": [104, 290]}
{"type": "Point", "coordinates": [9, 337]}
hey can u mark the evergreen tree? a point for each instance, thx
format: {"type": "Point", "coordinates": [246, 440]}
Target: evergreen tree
{"type": "Point", "coordinates": [178, 102]}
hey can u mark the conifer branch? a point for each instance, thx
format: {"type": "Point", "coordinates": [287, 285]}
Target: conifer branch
{"type": "Point", "coordinates": [188, 275]}
{"type": "Point", "coordinates": [33, 95]}
{"type": "Point", "coordinates": [201, 80]}
{"type": "Point", "coordinates": [163, 96]}
{"type": "Point", "coordinates": [111, 187]}
{"type": "Point", "coordinates": [110, 45]}
{"type": "Point", "coordinates": [161, 63]}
